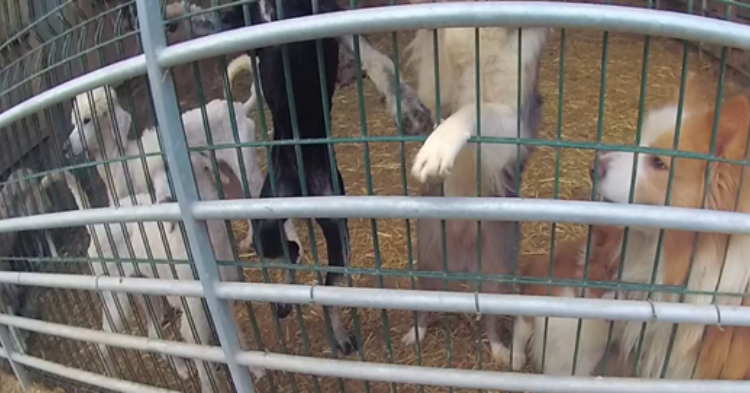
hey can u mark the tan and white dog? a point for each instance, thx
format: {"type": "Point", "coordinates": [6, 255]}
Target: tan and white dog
{"type": "Point", "coordinates": [554, 354]}
{"type": "Point", "coordinates": [720, 261]}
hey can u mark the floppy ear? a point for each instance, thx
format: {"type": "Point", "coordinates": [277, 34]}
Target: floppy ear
{"type": "Point", "coordinates": [731, 137]}
{"type": "Point", "coordinates": [229, 181]}
{"type": "Point", "coordinates": [608, 242]}
{"type": "Point", "coordinates": [731, 144]}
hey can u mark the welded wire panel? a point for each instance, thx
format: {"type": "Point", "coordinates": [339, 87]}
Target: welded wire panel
{"type": "Point", "coordinates": [596, 86]}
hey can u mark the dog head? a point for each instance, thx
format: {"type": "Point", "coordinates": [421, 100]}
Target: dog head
{"type": "Point", "coordinates": [92, 119]}
{"type": "Point", "coordinates": [689, 184]}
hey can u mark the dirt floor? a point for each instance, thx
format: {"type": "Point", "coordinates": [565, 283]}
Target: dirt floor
{"type": "Point", "coordinates": [452, 341]}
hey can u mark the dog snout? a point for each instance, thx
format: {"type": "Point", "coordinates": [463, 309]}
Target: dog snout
{"type": "Point", "coordinates": [600, 170]}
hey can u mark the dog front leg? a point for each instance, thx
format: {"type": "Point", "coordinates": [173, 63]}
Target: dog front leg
{"type": "Point", "coordinates": [379, 68]}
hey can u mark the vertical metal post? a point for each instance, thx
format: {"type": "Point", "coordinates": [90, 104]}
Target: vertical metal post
{"type": "Point", "coordinates": [10, 347]}
{"type": "Point", "coordinates": [180, 168]}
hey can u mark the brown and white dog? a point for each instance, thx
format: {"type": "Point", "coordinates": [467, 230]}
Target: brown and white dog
{"type": "Point", "coordinates": [447, 158]}
{"type": "Point", "coordinates": [720, 260]}
{"type": "Point", "coordinates": [554, 354]}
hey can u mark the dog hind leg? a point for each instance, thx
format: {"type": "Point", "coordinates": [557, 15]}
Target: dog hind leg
{"type": "Point", "coordinates": [336, 233]}
{"type": "Point", "coordinates": [272, 239]}
{"type": "Point", "coordinates": [119, 315]}
{"type": "Point", "coordinates": [379, 68]}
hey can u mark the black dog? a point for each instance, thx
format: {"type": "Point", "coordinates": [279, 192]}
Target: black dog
{"type": "Point", "coordinates": [307, 105]}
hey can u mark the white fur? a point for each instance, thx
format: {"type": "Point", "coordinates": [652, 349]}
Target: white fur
{"type": "Point", "coordinates": [554, 354]}
{"type": "Point", "coordinates": [616, 185]}
{"type": "Point", "coordinates": [560, 345]}
{"type": "Point", "coordinates": [704, 276]}
{"type": "Point", "coordinates": [443, 154]}
{"type": "Point", "coordinates": [129, 242]}
{"type": "Point", "coordinates": [92, 110]}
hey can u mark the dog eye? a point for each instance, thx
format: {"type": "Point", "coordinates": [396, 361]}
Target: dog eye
{"type": "Point", "coordinates": [657, 163]}
{"type": "Point", "coordinates": [86, 121]}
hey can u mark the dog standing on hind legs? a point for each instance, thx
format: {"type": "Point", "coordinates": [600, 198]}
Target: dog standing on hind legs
{"type": "Point", "coordinates": [445, 156]}
{"type": "Point", "coordinates": [311, 114]}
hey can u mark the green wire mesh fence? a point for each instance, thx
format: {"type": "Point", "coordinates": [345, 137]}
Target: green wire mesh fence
{"type": "Point", "coordinates": [597, 86]}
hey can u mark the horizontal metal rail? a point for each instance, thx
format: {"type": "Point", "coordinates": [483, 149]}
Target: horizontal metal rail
{"type": "Point", "coordinates": [86, 377]}
{"type": "Point", "coordinates": [113, 74]}
{"type": "Point", "coordinates": [369, 371]}
{"type": "Point", "coordinates": [422, 16]}
{"type": "Point", "coordinates": [403, 299]}
{"type": "Point", "coordinates": [386, 19]}
{"type": "Point", "coordinates": [149, 286]}
{"type": "Point", "coordinates": [144, 344]}
{"type": "Point", "coordinates": [348, 369]}
{"type": "Point", "coordinates": [501, 209]}
{"type": "Point", "coordinates": [470, 379]}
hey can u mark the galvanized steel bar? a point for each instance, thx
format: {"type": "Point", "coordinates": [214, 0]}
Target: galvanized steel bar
{"type": "Point", "coordinates": [9, 345]}
{"type": "Point", "coordinates": [503, 209]}
{"type": "Point", "coordinates": [386, 19]}
{"type": "Point", "coordinates": [108, 215]}
{"type": "Point", "coordinates": [368, 370]}
{"type": "Point", "coordinates": [402, 299]}
{"type": "Point", "coordinates": [481, 303]}
{"type": "Point", "coordinates": [181, 170]}
{"type": "Point", "coordinates": [144, 344]}
{"type": "Point", "coordinates": [490, 380]}
{"type": "Point", "coordinates": [478, 14]}
{"type": "Point", "coordinates": [160, 287]}
{"type": "Point", "coordinates": [118, 72]}
{"type": "Point", "coordinates": [86, 377]}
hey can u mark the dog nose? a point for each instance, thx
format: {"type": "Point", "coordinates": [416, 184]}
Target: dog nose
{"type": "Point", "coordinates": [595, 170]}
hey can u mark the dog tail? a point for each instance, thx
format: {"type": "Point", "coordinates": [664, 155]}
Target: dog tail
{"type": "Point", "coordinates": [241, 64]}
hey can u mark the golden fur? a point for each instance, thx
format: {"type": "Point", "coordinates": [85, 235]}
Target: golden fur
{"type": "Point", "coordinates": [554, 355]}
{"type": "Point", "coordinates": [717, 261]}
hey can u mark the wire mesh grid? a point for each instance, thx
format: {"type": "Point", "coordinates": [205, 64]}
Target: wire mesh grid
{"type": "Point", "coordinates": [47, 44]}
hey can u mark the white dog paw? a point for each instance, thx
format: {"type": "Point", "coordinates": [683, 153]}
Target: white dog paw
{"type": "Point", "coordinates": [436, 157]}
{"type": "Point", "coordinates": [519, 361]}
{"type": "Point", "coordinates": [500, 353]}
{"type": "Point", "coordinates": [411, 337]}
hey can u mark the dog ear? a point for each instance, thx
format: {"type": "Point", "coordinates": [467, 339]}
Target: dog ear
{"type": "Point", "coordinates": [608, 242]}
{"type": "Point", "coordinates": [229, 182]}
{"type": "Point", "coordinates": [731, 137]}
{"type": "Point", "coordinates": [731, 144]}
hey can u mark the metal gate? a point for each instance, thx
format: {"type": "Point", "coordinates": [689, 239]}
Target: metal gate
{"type": "Point", "coordinates": [66, 348]}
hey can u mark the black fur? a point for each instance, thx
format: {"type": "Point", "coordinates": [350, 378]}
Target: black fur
{"type": "Point", "coordinates": [311, 122]}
